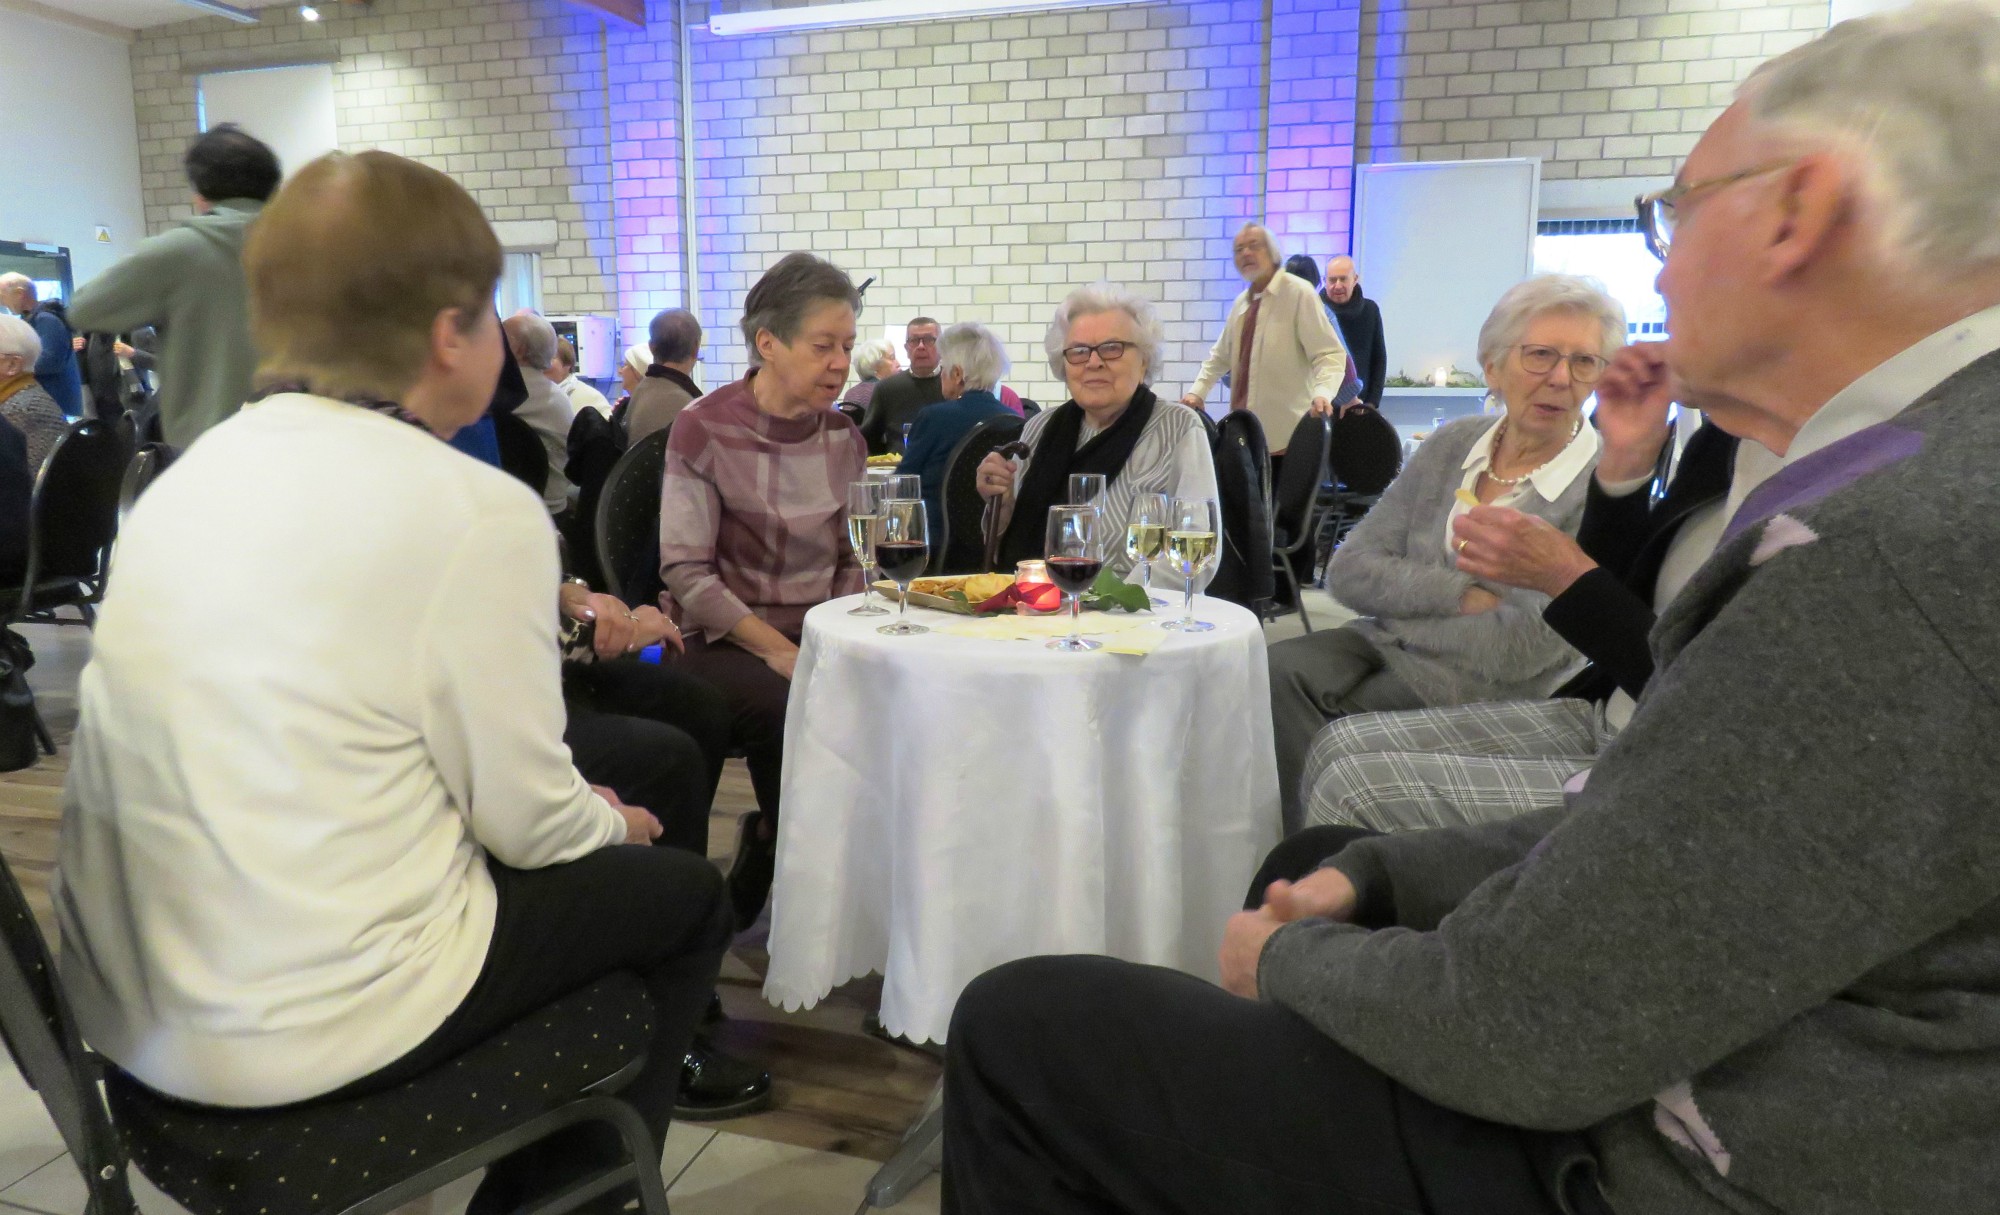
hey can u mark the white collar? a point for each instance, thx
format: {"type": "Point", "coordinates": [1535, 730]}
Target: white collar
{"type": "Point", "coordinates": [1898, 382]}
{"type": "Point", "coordinates": [1552, 480]}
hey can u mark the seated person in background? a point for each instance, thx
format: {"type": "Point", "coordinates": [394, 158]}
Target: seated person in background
{"type": "Point", "coordinates": [971, 361]}
{"type": "Point", "coordinates": [1631, 556]}
{"type": "Point", "coordinates": [874, 361]}
{"type": "Point", "coordinates": [55, 365]}
{"type": "Point", "coordinates": [394, 857]}
{"type": "Point", "coordinates": [1105, 343]}
{"type": "Point", "coordinates": [668, 385]}
{"type": "Point", "coordinates": [631, 369]}
{"type": "Point", "coordinates": [753, 526]}
{"type": "Point", "coordinates": [1430, 634]}
{"type": "Point", "coordinates": [545, 409]}
{"type": "Point", "coordinates": [582, 395]}
{"type": "Point", "coordinates": [1751, 965]}
{"type": "Point", "coordinates": [23, 401]}
{"type": "Point", "coordinates": [902, 395]}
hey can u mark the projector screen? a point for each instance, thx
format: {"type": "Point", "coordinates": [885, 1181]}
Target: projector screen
{"type": "Point", "coordinates": [290, 108]}
{"type": "Point", "coordinates": [1437, 242]}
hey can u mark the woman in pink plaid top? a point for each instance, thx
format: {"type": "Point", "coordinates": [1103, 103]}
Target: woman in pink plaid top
{"type": "Point", "coordinates": [752, 526]}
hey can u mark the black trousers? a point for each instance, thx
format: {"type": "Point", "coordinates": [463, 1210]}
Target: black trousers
{"type": "Point", "coordinates": [755, 697]}
{"type": "Point", "coordinates": [655, 735]}
{"type": "Point", "coordinates": [659, 913]}
{"type": "Point", "coordinates": [1086, 1084]}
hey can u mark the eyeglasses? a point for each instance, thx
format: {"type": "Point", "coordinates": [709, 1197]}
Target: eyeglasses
{"type": "Point", "coordinates": [921, 340]}
{"type": "Point", "coordinates": [1583, 368]}
{"type": "Point", "coordinates": [1657, 217]}
{"type": "Point", "coordinates": [1110, 352]}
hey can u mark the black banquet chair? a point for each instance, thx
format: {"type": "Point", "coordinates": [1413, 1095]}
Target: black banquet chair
{"type": "Point", "coordinates": [1295, 502]}
{"type": "Point", "coordinates": [146, 465]}
{"type": "Point", "coordinates": [72, 518]}
{"type": "Point", "coordinates": [962, 547]}
{"type": "Point", "coordinates": [360, 1156]}
{"type": "Point", "coordinates": [1367, 454]}
{"type": "Point", "coordinates": [627, 525]}
{"type": "Point", "coordinates": [1243, 573]}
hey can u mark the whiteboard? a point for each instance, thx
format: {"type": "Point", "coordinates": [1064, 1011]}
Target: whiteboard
{"type": "Point", "coordinates": [290, 108]}
{"type": "Point", "coordinates": [1437, 242]}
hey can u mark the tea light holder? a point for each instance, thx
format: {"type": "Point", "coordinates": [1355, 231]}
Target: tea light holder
{"type": "Point", "coordinates": [1031, 573]}
{"type": "Point", "coordinates": [1441, 378]}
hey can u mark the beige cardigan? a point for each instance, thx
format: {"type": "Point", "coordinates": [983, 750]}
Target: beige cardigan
{"type": "Point", "coordinates": [1295, 356]}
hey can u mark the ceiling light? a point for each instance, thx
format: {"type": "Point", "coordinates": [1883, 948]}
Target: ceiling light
{"type": "Point", "coordinates": [223, 10]}
{"type": "Point", "coordinates": [878, 12]}
{"type": "Point", "coordinates": [308, 12]}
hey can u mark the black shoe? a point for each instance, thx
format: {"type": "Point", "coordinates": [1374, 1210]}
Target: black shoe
{"type": "Point", "coordinates": [712, 1015]}
{"type": "Point", "coordinates": [750, 874]}
{"type": "Point", "coordinates": [714, 1085]}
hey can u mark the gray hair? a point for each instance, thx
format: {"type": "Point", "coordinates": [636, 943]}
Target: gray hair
{"type": "Point", "coordinates": [532, 339]}
{"type": "Point", "coordinates": [1270, 242]}
{"type": "Point", "coordinates": [867, 354]}
{"type": "Point", "coordinates": [976, 351]}
{"type": "Point", "coordinates": [19, 337]}
{"type": "Point", "coordinates": [779, 301]}
{"type": "Point", "coordinates": [1912, 95]}
{"type": "Point", "coordinates": [1100, 298]}
{"type": "Point", "coordinates": [674, 336]}
{"type": "Point", "coordinates": [1545, 293]}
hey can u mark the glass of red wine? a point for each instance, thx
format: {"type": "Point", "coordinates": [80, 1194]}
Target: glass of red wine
{"type": "Point", "coordinates": [902, 550]}
{"type": "Point", "coordinates": [1075, 555]}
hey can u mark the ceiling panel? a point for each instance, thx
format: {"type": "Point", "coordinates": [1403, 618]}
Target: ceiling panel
{"type": "Point", "coordinates": [138, 14]}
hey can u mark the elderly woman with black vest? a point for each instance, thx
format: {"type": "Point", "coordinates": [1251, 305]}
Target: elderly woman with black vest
{"type": "Point", "coordinates": [1431, 634]}
{"type": "Point", "coordinates": [1105, 343]}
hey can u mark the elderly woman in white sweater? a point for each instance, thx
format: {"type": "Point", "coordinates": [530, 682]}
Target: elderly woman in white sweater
{"type": "Point", "coordinates": [1430, 635]}
{"type": "Point", "coordinates": [321, 833]}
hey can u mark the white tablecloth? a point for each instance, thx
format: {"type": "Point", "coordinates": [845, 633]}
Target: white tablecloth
{"type": "Point", "coordinates": [951, 803]}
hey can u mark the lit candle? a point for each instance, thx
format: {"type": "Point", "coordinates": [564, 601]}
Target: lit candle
{"type": "Point", "coordinates": [1441, 377]}
{"type": "Point", "coordinates": [1031, 573]}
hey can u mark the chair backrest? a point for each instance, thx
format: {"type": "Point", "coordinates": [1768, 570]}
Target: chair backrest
{"type": "Point", "coordinates": [41, 1036]}
{"type": "Point", "coordinates": [962, 546]}
{"type": "Point", "coordinates": [521, 451]}
{"type": "Point", "coordinates": [1299, 477]}
{"type": "Point", "coordinates": [147, 463]}
{"type": "Point", "coordinates": [854, 412]}
{"type": "Point", "coordinates": [1208, 424]}
{"type": "Point", "coordinates": [628, 520]}
{"type": "Point", "coordinates": [1030, 407]}
{"type": "Point", "coordinates": [73, 514]}
{"type": "Point", "coordinates": [1242, 481]}
{"type": "Point", "coordinates": [1367, 451]}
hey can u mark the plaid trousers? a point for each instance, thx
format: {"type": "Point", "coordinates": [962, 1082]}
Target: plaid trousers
{"type": "Point", "coordinates": [1446, 767]}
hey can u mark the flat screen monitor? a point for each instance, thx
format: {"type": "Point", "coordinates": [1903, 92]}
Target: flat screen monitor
{"type": "Point", "coordinates": [48, 265]}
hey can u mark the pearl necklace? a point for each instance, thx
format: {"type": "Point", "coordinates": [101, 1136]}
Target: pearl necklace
{"type": "Point", "coordinates": [1501, 435]}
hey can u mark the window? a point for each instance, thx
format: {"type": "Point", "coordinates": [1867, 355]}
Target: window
{"type": "Point", "coordinates": [520, 284]}
{"type": "Point", "coordinates": [1612, 252]}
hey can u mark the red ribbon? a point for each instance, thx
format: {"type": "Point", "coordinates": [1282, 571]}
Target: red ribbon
{"type": "Point", "coordinates": [1037, 596]}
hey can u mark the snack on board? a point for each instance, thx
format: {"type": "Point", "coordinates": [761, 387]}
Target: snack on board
{"type": "Point", "coordinates": [889, 460]}
{"type": "Point", "coordinates": [977, 588]}
{"type": "Point", "coordinates": [1467, 498]}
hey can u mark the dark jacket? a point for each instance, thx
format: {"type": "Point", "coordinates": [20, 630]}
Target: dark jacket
{"type": "Point", "coordinates": [897, 402]}
{"type": "Point", "coordinates": [935, 435]}
{"type": "Point", "coordinates": [56, 370]}
{"type": "Point", "coordinates": [17, 484]}
{"type": "Point", "coordinates": [1360, 324]}
{"type": "Point", "coordinates": [1608, 613]}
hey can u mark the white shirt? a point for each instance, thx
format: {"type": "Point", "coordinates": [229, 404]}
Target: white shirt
{"type": "Point", "coordinates": [1552, 480]}
{"type": "Point", "coordinates": [582, 396]}
{"type": "Point", "coordinates": [1295, 356]}
{"type": "Point", "coordinates": [324, 686]}
{"type": "Point", "coordinates": [549, 412]}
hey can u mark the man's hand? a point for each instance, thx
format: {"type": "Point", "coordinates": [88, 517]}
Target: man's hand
{"type": "Point", "coordinates": [1243, 947]}
{"type": "Point", "coordinates": [1632, 401]}
{"type": "Point", "coordinates": [996, 476]}
{"type": "Point", "coordinates": [1477, 599]}
{"type": "Point", "coordinates": [122, 350]}
{"type": "Point", "coordinates": [1191, 401]}
{"type": "Point", "coordinates": [1320, 407]}
{"type": "Point", "coordinates": [1324, 894]}
{"type": "Point", "coordinates": [640, 826]}
{"type": "Point", "coordinates": [76, 343]}
{"type": "Point", "coordinates": [1500, 544]}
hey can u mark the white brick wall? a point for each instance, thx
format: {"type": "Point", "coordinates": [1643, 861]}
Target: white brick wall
{"type": "Point", "coordinates": [1596, 88]}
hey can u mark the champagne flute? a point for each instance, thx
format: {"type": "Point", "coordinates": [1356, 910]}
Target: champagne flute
{"type": "Point", "coordinates": [902, 549]}
{"type": "Point", "coordinates": [1193, 526]}
{"type": "Point", "coordinates": [1075, 555]}
{"type": "Point", "coordinates": [1146, 536]}
{"type": "Point", "coordinates": [1085, 489]}
{"type": "Point", "coordinates": [864, 514]}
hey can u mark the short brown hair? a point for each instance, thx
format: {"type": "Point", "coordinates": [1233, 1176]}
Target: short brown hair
{"type": "Point", "coordinates": [795, 286]}
{"type": "Point", "coordinates": [918, 320]}
{"type": "Point", "coordinates": [349, 264]}
{"type": "Point", "coordinates": [565, 353]}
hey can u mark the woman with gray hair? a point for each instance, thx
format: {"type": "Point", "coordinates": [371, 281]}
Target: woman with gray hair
{"type": "Point", "coordinates": [1105, 343]}
{"type": "Point", "coordinates": [874, 361]}
{"type": "Point", "coordinates": [971, 361]}
{"type": "Point", "coordinates": [23, 401]}
{"type": "Point", "coordinates": [1430, 634]}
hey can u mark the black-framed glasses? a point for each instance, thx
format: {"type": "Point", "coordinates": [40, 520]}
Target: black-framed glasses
{"type": "Point", "coordinates": [1583, 368]}
{"type": "Point", "coordinates": [922, 339]}
{"type": "Point", "coordinates": [1658, 211]}
{"type": "Point", "coordinates": [1110, 352]}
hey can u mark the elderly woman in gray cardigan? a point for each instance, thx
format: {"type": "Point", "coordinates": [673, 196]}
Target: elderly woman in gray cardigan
{"type": "Point", "coordinates": [1430, 635]}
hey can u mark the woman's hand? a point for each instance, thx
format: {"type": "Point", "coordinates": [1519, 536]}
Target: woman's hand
{"type": "Point", "coordinates": [1632, 401]}
{"type": "Point", "coordinates": [640, 826]}
{"type": "Point", "coordinates": [996, 476]}
{"type": "Point", "coordinates": [1500, 544]}
{"type": "Point", "coordinates": [619, 630]}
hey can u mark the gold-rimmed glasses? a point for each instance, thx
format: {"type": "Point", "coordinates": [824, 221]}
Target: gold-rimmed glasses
{"type": "Point", "coordinates": [1658, 211]}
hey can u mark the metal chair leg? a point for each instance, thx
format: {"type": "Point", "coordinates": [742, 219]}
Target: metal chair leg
{"type": "Point", "coordinates": [917, 1157]}
{"type": "Point", "coordinates": [1298, 601]}
{"type": "Point", "coordinates": [41, 729]}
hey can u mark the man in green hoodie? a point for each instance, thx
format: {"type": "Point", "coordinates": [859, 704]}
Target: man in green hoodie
{"type": "Point", "coordinates": [188, 282]}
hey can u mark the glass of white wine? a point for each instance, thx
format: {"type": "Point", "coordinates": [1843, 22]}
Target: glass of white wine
{"type": "Point", "coordinates": [1193, 527]}
{"type": "Point", "coordinates": [1146, 535]}
{"type": "Point", "coordinates": [864, 516]}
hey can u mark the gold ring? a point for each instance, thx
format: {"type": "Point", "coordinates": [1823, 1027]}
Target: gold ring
{"type": "Point", "coordinates": [1462, 544]}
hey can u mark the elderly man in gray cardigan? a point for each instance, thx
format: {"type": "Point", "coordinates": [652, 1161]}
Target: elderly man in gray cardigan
{"type": "Point", "coordinates": [1430, 635]}
{"type": "Point", "coordinates": [1750, 965]}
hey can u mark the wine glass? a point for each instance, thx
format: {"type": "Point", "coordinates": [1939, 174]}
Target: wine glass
{"type": "Point", "coordinates": [905, 486]}
{"type": "Point", "coordinates": [1193, 526]}
{"type": "Point", "coordinates": [903, 549]}
{"type": "Point", "coordinates": [1075, 555]}
{"type": "Point", "coordinates": [864, 514]}
{"type": "Point", "coordinates": [1085, 489]}
{"type": "Point", "coordinates": [1146, 535]}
